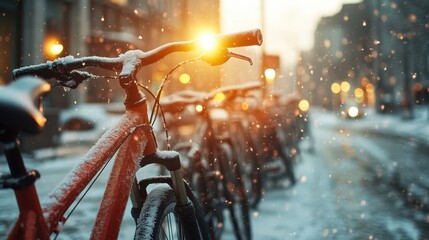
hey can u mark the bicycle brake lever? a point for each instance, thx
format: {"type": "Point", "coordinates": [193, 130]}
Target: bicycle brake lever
{"type": "Point", "coordinates": [242, 57]}
{"type": "Point", "coordinates": [217, 57]}
{"type": "Point", "coordinates": [223, 55]}
{"type": "Point", "coordinates": [74, 78]}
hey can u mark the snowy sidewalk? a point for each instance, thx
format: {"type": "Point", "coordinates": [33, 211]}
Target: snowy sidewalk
{"type": "Point", "coordinates": [386, 124]}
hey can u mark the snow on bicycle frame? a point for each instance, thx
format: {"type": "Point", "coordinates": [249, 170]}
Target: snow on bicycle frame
{"type": "Point", "coordinates": [131, 138]}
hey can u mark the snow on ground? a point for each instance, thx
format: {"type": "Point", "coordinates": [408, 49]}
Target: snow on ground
{"type": "Point", "coordinates": [390, 124]}
{"type": "Point", "coordinates": [268, 222]}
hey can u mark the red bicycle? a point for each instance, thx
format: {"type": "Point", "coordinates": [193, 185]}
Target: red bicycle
{"type": "Point", "coordinates": [131, 139]}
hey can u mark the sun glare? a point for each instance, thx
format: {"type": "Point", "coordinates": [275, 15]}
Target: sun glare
{"type": "Point", "coordinates": [207, 41]}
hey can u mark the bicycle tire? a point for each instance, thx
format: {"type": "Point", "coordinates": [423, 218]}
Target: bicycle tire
{"type": "Point", "coordinates": [249, 163]}
{"type": "Point", "coordinates": [234, 192]}
{"type": "Point", "coordinates": [158, 214]}
{"type": "Point", "coordinates": [199, 175]}
{"type": "Point", "coordinates": [209, 198]}
{"type": "Point", "coordinates": [287, 158]}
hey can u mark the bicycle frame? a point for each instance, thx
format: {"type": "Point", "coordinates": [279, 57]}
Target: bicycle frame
{"type": "Point", "coordinates": [130, 135]}
{"type": "Point", "coordinates": [131, 138]}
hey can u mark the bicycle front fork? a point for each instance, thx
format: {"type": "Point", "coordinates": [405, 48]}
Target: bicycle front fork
{"type": "Point", "coordinates": [185, 209]}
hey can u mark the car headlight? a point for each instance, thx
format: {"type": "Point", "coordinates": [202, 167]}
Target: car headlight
{"type": "Point", "coordinates": [353, 111]}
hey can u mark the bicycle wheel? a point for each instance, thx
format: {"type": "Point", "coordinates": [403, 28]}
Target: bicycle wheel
{"type": "Point", "coordinates": [285, 156]}
{"type": "Point", "coordinates": [200, 175]}
{"type": "Point", "coordinates": [159, 220]}
{"type": "Point", "coordinates": [234, 192]}
{"type": "Point", "coordinates": [245, 151]}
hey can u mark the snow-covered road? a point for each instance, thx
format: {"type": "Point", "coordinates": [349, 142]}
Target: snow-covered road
{"type": "Point", "coordinates": [345, 191]}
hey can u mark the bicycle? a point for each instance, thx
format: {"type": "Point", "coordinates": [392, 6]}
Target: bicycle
{"type": "Point", "coordinates": [132, 140]}
{"type": "Point", "coordinates": [256, 131]}
{"type": "Point", "coordinates": [237, 126]}
{"type": "Point", "coordinates": [212, 167]}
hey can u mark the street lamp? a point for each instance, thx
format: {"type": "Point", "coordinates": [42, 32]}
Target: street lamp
{"type": "Point", "coordinates": [270, 74]}
{"type": "Point", "coordinates": [304, 105]}
{"type": "Point", "coordinates": [52, 47]}
{"type": "Point", "coordinates": [335, 88]}
{"type": "Point", "coordinates": [219, 97]}
{"type": "Point", "coordinates": [184, 78]}
{"type": "Point", "coordinates": [345, 86]}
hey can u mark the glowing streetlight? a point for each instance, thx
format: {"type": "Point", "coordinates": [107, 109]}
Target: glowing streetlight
{"type": "Point", "coordinates": [335, 88]}
{"type": "Point", "coordinates": [199, 108]}
{"type": "Point", "coordinates": [304, 105]}
{"type": "Point", "coordinates": [244, 106]}
{"type": "Point", "coordinates": [359, 94]}
{"type": "Point", "coordinates": [219, 97]}
{"type": "Point", "coordinates": [52, 47]}
{"type": "Point", "coordinates": [270, 74]}
{"type": "Point", "coordinates": [353, 112]}
{"type": "Point", "coordinates": [184, 78]}
{"type": "Point", "coordinates": [345, 86]}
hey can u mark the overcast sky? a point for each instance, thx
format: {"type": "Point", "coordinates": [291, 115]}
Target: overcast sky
{"type": "Point", "coordinates": [289, 24]}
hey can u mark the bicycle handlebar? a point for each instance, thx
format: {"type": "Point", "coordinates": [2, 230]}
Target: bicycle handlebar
{"type": "Point", "coordinates": [239, 90]}
{"type": "Point", "coordinates": [133, 60]}
{"type": "Point", "coordinates": [177, 102]}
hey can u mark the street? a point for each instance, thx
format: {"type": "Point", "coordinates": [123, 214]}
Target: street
{"type": "Point", "coordinates": [354, 72]}
{"type": "Point", "coordinates": [354, 185]}
{"type": "Point", "coordinates": [350, 189]}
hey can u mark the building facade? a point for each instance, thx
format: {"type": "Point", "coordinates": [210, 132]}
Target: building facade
{"type": "Point", "coordinates": [30, 28]}
{"type": "Point", "coordinates": [378, 46]}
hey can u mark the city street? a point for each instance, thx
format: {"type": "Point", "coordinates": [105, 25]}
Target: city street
{"type": "Point", "coordinates": [354, 185]}
{"type": "Point", "coordinates": [336, 90]}
{"type": "Point", "coordinates": [349, 189]}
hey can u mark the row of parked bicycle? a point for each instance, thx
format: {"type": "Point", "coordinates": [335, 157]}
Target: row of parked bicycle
{"type": "Point", "coordinates": [228, 143]}
{"type": "Point", "coordinates": [233, 142]}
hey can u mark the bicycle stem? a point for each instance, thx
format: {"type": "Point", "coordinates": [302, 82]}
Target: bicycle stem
{"type": "Point", "coordinates": [135, 98]}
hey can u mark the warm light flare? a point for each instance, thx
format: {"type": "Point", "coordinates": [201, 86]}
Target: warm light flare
{"type": "Point", "coordinates": [345, 86]}
{"type": "Point", "coordinates": [244, 106]}
{"type": "Point", "coordinates": [207, 41]}
{"type": "Point", "coordinates": [369, 88]}
{"type": "Point", "coordinates": [359, 92]}
{"type": "Point", "coordinates": [199, 108]}
{"type": "Point", "coordinates": [219, 97]}
{"type": "Point", "coordinates": [184, 78]}
{"type": "Point", "coordinates": [56, 48]}
{"type": "Point", "coordinates": [353, 112]}
{"type": "Point", "coordinates": [304, 105]}
{"type": "Point", "coordinates": [335, 88]}
{"type": "Point", "coordinates": [53, 47]}
{"type": "Point", "coordinates": [270, 74]}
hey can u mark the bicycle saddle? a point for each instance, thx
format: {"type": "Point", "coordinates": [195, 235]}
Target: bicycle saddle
{"type": "Point", "coordinates": [177, 102]}
{"type": "Point", "coordinates": [19, 103]}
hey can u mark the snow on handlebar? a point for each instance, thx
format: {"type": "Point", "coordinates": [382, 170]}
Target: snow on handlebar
{"type": "Point", "coordinates": [131, 61]}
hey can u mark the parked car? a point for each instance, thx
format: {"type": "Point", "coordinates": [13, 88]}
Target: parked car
{"type": "Point", "coordinates": [87, 122]}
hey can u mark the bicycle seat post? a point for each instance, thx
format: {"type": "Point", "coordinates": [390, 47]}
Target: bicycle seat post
{"type": "Point", "coordinates": [22, 182]}
{"type": "Point", "coordinates": [9, 140]}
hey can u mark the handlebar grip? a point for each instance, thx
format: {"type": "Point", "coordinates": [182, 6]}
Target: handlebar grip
{"type": "Point", "coordinates": [41, 70]}
{"type": "Point", "coordinates": [240, 39]}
